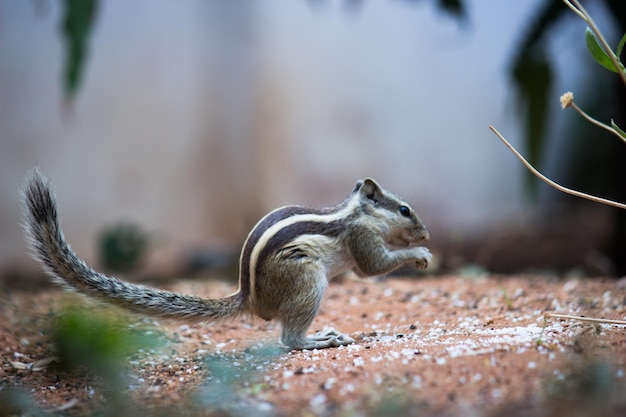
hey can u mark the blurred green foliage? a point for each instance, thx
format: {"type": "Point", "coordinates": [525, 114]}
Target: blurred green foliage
{"type": "Point", "coordinates": [96, 344]}
{"type": "Point", "coordinates": [79, 18]}
{"type": "Point", "coordinates": [98, 340]}
{"type": "Point", "coordinates": [533, 75]}
{"type": "Point", "coordinates": [122, 247]}
{"type": "Point", "coordinates": [591, 159]}
{"type": "Point", "coordinates": [591, 388]}
{"type": "Point", "coordinates": [76, 27]}
{"type": "Point", "coordinates": [16, 402]}
{"type": "Point", "coordinates": [232, 376]}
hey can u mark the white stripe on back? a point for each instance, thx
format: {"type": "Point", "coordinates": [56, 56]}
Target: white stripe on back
{"type": "Point", "coordinates": [278, 226]}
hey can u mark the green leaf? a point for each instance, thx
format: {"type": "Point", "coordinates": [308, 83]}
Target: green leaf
{"type": "Point", "coordinates": [597, 52]}
{"type": "Point", "coordinates": [617, 129]}
{"type": "Point", "coordinates": [620, 46]}
{"type": "Point", "coordinates": [76, 26]}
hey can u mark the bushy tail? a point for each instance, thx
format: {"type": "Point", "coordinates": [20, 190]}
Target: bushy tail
{"type": "Point", "coordinates": [46, 240]}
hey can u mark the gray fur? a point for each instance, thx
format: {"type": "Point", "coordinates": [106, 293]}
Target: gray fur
{"type": "Point", "coordinates": [49, 247]}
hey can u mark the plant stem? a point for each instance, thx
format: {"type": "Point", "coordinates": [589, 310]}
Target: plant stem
{"type": "Point", "coordinates": [590, 319]}
{"type": "Point", "coordinates": [577, 8]}
{"type": "Point", "coordinates": [596, 122]}
{"type": "Point", "coordinates": [552, 183]}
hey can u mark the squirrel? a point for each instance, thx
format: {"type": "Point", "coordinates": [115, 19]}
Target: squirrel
{"type": "Point", "coordinates": [284, 268]}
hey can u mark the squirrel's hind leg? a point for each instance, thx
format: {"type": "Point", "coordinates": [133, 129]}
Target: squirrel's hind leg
{"type": "Point", "coordinates": [298, 314]}
{"type": "Point", "coordinates": [328, 337]}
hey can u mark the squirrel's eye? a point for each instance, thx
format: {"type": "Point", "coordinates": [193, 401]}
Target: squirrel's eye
{"type": "Point", "coordinates": [405, 211]}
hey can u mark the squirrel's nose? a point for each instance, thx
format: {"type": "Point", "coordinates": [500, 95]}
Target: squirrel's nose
{"type": "Point", "coordinates": [426, 234]}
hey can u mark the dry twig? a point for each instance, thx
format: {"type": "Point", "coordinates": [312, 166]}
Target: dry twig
{"type": "Point", "coordinates": [552, 183]}
{"type": "Point", "coordinates": [590, 319]}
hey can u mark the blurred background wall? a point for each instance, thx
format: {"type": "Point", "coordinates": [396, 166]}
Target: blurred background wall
{"type": "Point", "coordinates": [195, 118]}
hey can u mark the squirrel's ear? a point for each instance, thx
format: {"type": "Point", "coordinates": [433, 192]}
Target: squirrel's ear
{"type": "Point", "coordinates": [369, 188]}
{"type": "Point", "coordinates": [357, 186]}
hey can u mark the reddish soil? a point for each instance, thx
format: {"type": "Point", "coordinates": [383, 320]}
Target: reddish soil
{"type": "Point", "coordinates": [427, 346]}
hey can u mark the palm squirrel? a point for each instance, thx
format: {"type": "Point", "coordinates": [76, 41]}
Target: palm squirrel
{"type": "Point", "coordinates": [284, 267]}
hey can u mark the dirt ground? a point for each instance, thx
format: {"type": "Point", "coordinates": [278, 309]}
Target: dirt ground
{"type": "Point", "coordinates": [452, 346]}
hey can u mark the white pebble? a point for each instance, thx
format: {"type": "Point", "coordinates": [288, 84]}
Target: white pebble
{"type": "Point", "coordinates": [317, 400]}
{"type": "Point", "coordinates": [329, 383]}
{"type": "Point", "coordinates": [346, 389]}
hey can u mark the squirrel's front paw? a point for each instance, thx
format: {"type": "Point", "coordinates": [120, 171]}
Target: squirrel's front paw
{"type": "Point", "coordinates": [424, 257]}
